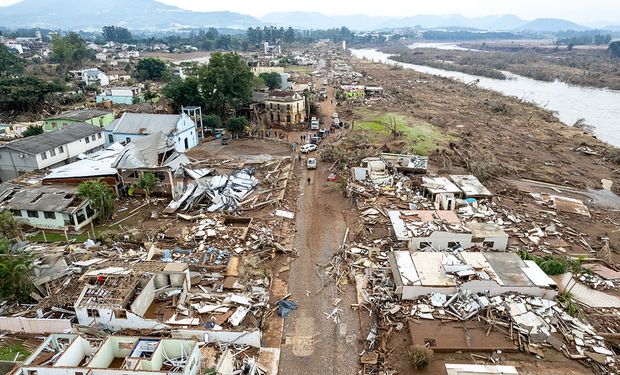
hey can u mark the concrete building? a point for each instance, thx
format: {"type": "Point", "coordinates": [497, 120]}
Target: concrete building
{"type": "Point", "coordinates": [471, 187]}
{"type": "Point", "coordinates": [286, 108]}
{"type": "Point", "coordinates": [421, 273]}
{"type": "Point", "coordinates": [71, 354]}
{"type": "Point", "coordinates": [179, 129]}
{"type": "Point", "coordinates": [48, 207]}
{"type": "Point", "coordinates": [119, 298]}
{"type": "Point", "coordinates": [48, 150]}
{"type": "Point", "coordinates": [92, 76]}
{"type": "Point", "coordinates": [89, 116]}
{"type": "Point", "coordinates": [443, 230]}
{"type": "Point", "coordinates": [120, 95]}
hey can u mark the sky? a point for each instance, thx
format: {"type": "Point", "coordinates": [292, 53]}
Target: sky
{"type": "Point", "coordinates": [583, 11]}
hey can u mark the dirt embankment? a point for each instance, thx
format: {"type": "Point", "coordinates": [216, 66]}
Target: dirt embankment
{"type": "Point", "coordinates": [494, 135]}
{"type": "Point", "coordinates": [593, 68]}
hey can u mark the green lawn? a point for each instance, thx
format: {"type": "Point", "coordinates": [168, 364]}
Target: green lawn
{"type": "Point", "coordinates": [422, 137]}
{"type": "Point", "coordinates": [8, 352]}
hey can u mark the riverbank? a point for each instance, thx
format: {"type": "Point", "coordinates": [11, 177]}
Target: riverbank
{"type": "Point", "coordinates": [502, 135]}
{"type": "Point", "coordinates": [592, 68]}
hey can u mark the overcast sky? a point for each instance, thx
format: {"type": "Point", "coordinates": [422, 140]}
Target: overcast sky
{"type": "Point", "coordinates": [584, 11]}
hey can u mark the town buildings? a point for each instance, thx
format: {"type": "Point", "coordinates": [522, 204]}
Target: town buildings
{"type": "Point", "coordinates": [90, 116]}
{"type": "Point", "coordinates": [120, 95]}
{"type": "Point", "coordinates": [286, 108]}
{"type": "Point", "coordinates": [48, 150]}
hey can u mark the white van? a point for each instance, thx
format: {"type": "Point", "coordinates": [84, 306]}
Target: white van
{"type": "Point", "coordinates": [314, 125]}
{"type": "Point", "coordinates": [311, 164]}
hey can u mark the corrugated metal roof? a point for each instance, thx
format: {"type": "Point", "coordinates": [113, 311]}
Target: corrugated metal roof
{"type": "Point", "coordinates": [45, 198]}
{"type": "Point", "coordinates": [79, 115]}
{"type": "Point", "coordinates": [44, 142]}
{"type": "Point", "coordinates": [144, 123]}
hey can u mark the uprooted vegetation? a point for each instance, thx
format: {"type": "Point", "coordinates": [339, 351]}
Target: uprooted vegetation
{"type": "Point", "coordinates": [420, 356]}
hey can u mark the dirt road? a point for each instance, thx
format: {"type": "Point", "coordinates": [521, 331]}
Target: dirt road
{"type": "Point", "coordinates": [314, 344]}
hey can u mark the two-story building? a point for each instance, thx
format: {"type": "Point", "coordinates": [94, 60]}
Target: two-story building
{"type": "Point", "coordinates": [120, 95]}
{"type": "Point", "coordinates": [179, 129]}
{"type": "Point", "coordinates": [286, 108]}
{"type": "Point", "coordinates": [48, 150]}
{"type": "Point", "coordinates": [89, 116]}
{"type": "Point", "coordinates": [92, 76]}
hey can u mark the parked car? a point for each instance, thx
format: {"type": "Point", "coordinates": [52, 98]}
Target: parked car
{"type": "Point", "coordinates": [346, 125]}
{"type": "Point", "coordinates": [225, 140]}
{"type": "Point", "coordinates": [311, 163]}
{"type": "Point", "coordinates": [335, 115]}
{"type": "Point", "coordinates": [332, 177]}
{"type": "Point", "coordinates": [315, 140]}
{"type": "Point", "coordinates": [314, 125]}
{"type": "Point", "coordinates": [308, 148]}
{"type": "Point", "coordinates": [322, 133]}
{"type": "Point", "coordinates": [336, 121]}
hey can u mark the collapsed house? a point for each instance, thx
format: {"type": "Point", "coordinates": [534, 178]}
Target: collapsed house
{"type": "Point", "coordinates": [442, 230]}
{"type": "Point", "coordinates": [420, 273]}
{"type": "Point", "coordinates": [119, 298]}
{"type": "Point", "coordinates": [75, 354]}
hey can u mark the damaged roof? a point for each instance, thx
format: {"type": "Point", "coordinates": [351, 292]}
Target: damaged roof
{"type": "Point", "coordinates": [142, 152]}
{"type": "Point", "coordinates": [144, 123]}
{"type": "Point", "coordinates": [80, 115]}
{"type": "Point", "coordinates": [471, 186]}
{"type": "Point", "coordinates": [48, 198]}
{"type": "Point", "coordinates": [37, 144]}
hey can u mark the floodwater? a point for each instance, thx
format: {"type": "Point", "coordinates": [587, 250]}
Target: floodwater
{"type": "Point", "coordinates": [599, 108]}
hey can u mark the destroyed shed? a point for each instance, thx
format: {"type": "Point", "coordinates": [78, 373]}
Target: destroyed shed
{"type": "Point", "coordinates": [420, 273]}
{"type": "Point", "coordinates": [75, 354]}
{"type": "Point", "coordinates": [471, 187]}
{"type": "Point", "coordinates": [406, 163]}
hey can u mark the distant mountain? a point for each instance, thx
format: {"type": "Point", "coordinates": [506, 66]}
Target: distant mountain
{"type": "Point", "coordinates": [316, 20]}
{"type": "Point", "coordinates": [134, 14]}
{"type": "Point", "coordinates": [551, 25]}
{"type": "Point", "coordinates": [504, 22]}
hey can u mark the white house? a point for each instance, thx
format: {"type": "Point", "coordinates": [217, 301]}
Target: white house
{"type": "Point", "coordinates": [92, 76]}
{"type": "Point", "coordinates": [48, 150]}
{"type": "Point", "coordinates": [120, 95]}
{"type": "Point", "coordinates": [48, 207]}
{"type": "Point", "coordinates": [119, 298]}
{"type": "Point", "coordinates": [180, 129]}
{"type": "Point", "coordinates": [71, 354]}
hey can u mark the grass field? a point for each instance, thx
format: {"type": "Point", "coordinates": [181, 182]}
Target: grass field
{"type": "Point", "coordinates": [9, 351]}
{"type": "Point", "coordinates": [421, 137]}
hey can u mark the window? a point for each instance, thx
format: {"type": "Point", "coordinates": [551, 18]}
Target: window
{"type": "Point", "coordinates": [488, 244]}
{"type": "Point", "coordinates": [33, 214]}
{"type": "Point", "coordinates": [127, 140]}
{"type": "Point", "coordinates": [93, 138]}
{"type": "Point", "coordinates": [98, 135]}
{"type": "Point", "coordinates": [424, 245]}
{"type": "Point", "coordinates": [49, 215]}
{"type": "Point", "coordinates": [110, 138]}
{"type": "Point", "coordinates": [43, 155]}
{"type": "Point", "coordinates": [79, 373]}
{"type": "Point", "coordinates": [52, 152]}
{"type": "Point", "coordinates": [92, 313]}
{"type": "Point", "coordinates": [16, 212]}
{"type": "Point", "coordinates": [120, 314]}
{"type": "Point", "coordinates": [61, 150]}
{"type": "Point", "coordinates": [454, 245]}
{"type": "Point", "coordinates": [32, 372]}
{"type": "Point", "coordinates": [87, 140]}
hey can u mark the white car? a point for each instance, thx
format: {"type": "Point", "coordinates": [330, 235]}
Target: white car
{"type": "Point", "coordinates": [307, 148]}
{"type": "Point", "coordinates": [311, 164]}
{"type": "Point", "coordinates": [337, 121]}
{"type": "Point", "coordinates": [335, 115]}
{"type": "Point", "coordinates": [314, 125]}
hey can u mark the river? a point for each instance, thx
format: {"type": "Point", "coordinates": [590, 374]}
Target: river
{"type": "Point", "coordinates": [599, 107]}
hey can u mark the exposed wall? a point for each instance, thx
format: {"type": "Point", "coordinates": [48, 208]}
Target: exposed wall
{"type": "Point", "coordinates": [34, 325]}
{"type": "Point", "coordinates": [144, 299]}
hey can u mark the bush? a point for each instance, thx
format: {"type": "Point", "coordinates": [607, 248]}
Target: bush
{"type": "Point", "coordinates": [552, 266]}
{"type": "Point", "coordinates": [420, 356]}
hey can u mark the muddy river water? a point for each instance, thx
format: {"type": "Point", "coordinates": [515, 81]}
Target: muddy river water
{"type": "Point", "coordinates": [599, 107]}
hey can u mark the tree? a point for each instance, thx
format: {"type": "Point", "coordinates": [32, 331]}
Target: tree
{"type": "Point", "coordinates": [183, 92]}
{"type": "Point", "coordinates": [147, 183]}
{"type": "Point", "coordinates": [151, 69]}
{"type": "Point", "coordinates": [614, 48]}
{"type": "Point", "coordinates": [32, 130]}
{"type": "Point", "coordinates": [101, 198]}
{"type": "Point", "coordinates": [10, 64]}
{"type": "Point", "coordinates": [289, 35]}
{"type": "Point", "coordinates": [273, 80]}
{"type": "Point", "coordinates": [213, 121]}
{"type": "Point", "coordinates": [10, 227]}
{"type": "Point", "coordinates": [69, 51]}
{"type": "Point", "coordinates": [236, 125]}
{"type": "Point", "coordinates": [226, 84]}
{"type": "Point", "coordinates": [15, 274]}
{"type": "Point", "coordinates": [116, 34]}
{"type": "Point", "coordinates": [25, 93]}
